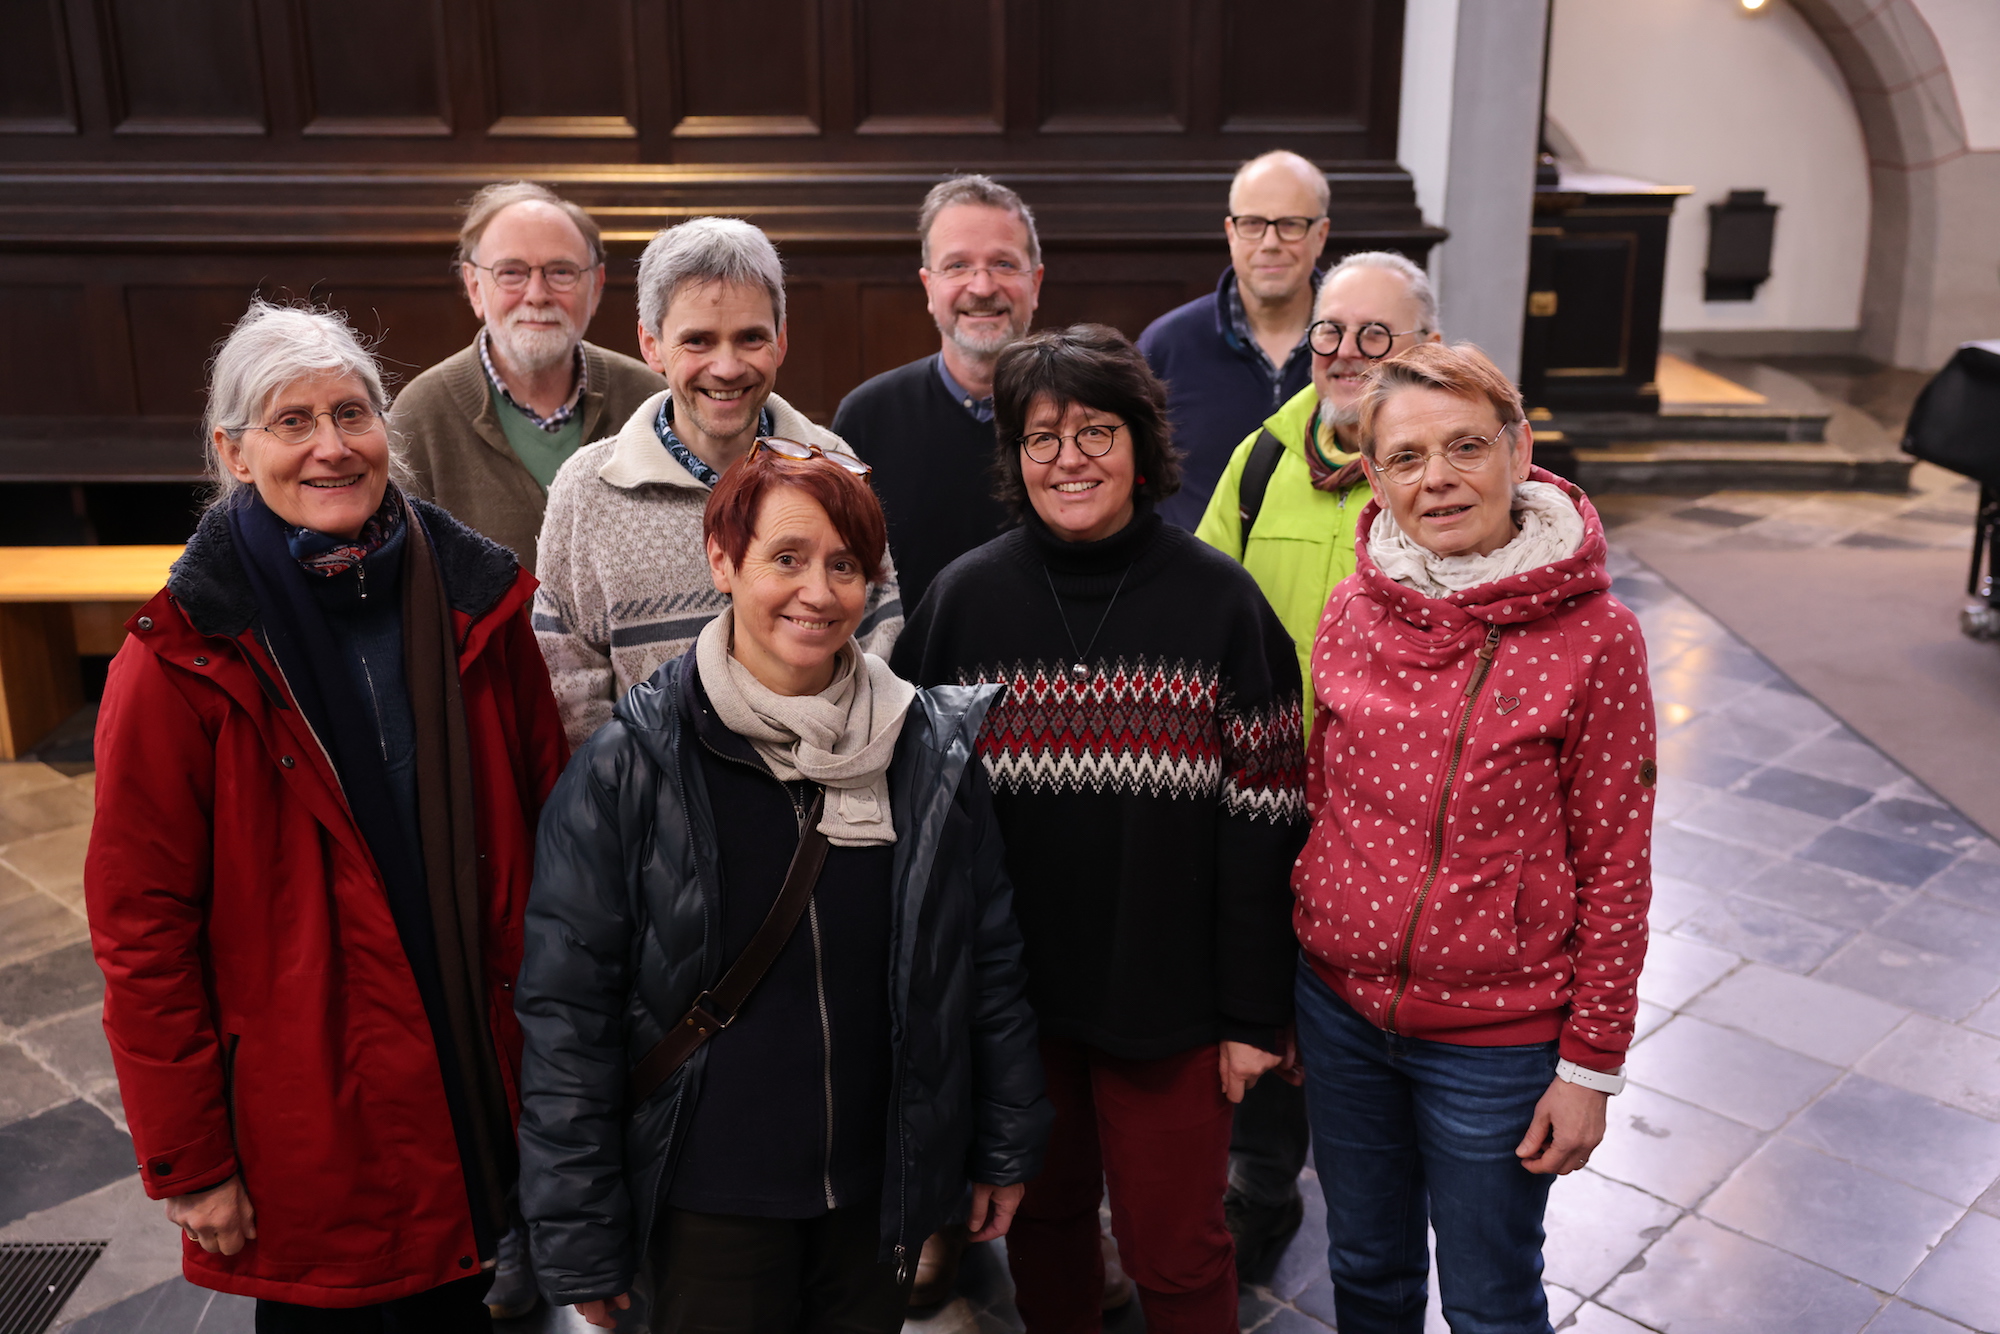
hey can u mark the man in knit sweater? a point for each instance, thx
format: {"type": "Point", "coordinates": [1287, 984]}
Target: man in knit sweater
{"type": "Point", "coordinates": [625, 582]}
{"type": "Point", "coordinates": [928, 427]}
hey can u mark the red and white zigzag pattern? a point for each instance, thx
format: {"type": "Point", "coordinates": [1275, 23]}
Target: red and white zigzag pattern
{"type": "Point", "coordinates": [1144, 729]}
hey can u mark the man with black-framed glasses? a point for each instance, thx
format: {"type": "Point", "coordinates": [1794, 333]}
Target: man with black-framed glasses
{"type": "Point", "coordinates": [487, 427]}
{"type": "Point", "coordinates": [1234, 356]}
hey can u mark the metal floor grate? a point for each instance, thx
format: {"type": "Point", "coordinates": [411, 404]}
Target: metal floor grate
{"type": "Point", "coordinates": [37, 1277]}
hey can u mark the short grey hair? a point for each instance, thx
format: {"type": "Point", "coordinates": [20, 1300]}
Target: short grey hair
{"type": "Point", "coordinates": [707, 250]}
{"type": "Point", "coordinates": [1414, 278]}
{"type": "Point", "coordinates": [972, 188]}
{"type": "Point", "coordinates": [1322, 192]}
{"type": "Point", "coordinates": [271, 348]}
{"type": "Point", "coordinates": [488, 204]}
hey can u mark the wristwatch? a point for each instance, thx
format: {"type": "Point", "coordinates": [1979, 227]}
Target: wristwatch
{"type": "Point", "coordinates": [1585, 1077]}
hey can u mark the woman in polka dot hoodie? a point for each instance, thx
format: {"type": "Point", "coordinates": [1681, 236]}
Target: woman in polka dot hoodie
{"type": "Point", "coordinates": [1472, 900]}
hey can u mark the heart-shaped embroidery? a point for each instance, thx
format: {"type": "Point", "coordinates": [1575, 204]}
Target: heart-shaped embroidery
{"type": "Point", "coordinates": [1507, 703]}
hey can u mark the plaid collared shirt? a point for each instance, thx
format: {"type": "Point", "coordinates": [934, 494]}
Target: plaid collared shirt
{"type": "Point", "coordinates": [555, 420]}
{"type": "Point", "coordinates": [1239, 323]}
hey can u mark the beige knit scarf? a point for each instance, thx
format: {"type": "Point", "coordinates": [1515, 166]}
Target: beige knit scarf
{"type": "Point", "coordinates": [1551, 530]}
{"type": "Point", "coordinates": [842, 738]}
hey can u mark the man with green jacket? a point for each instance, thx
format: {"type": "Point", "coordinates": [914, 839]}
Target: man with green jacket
{"type": "Point", "coordinates": [1299, 541]}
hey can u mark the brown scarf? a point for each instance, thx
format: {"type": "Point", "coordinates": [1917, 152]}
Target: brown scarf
{"type": "Point", "coordinates": [451, 861]}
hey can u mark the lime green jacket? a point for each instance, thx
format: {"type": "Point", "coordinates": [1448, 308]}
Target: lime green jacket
{"type": "Point", "coordinates": [1303, 541]}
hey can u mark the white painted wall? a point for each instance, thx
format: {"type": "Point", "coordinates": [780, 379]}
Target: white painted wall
{"type": "Point", "coordinates": [1698, 93]}
{"type": "Point", "coordinates": [1423, 125]}
{"type": "Point", "coordinates": [1968, 32]}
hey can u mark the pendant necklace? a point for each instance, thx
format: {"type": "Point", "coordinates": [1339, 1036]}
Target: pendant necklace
{"type": "Point", "coordinates": [1080, 668]}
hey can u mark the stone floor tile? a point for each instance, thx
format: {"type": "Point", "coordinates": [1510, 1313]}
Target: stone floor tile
{"type": "Point", "coordinates": [1899, 973]}
{"type": "Point", "coordinates": [25, 1087]}
{"type": "Point", "coordinates": [1704, 1279]}
{"type": "Point", "coordinates": [18, 777]}
{"type": "Point", "coordinates": [42, 809]}
{"type": "Point", "coordinates": [1961, 1279]}
{"type": "Point", "coordinates": [1696, 690]}
{"type": "Point", "coordinates": [1802, 1014]}
{"type": "Point", "coordinates": [1783, 709]}
{"type": "Point", "coordinates": [1902, 1318]}
{"type": "Point", "coordinates": [175, 1307]}
{"type": "Point", "coordinates": [1736, 736]}
{"type": "Point", "coordinates": [1824, 894]}
{"type": "Point", "coordinates": [1671, 1148]}
{"type": "Point", "coordinates": [1961, 933]}
{"type": "Point", "coordinates": [1742, 1077]}
{"type": "Point", "coordinates": [65, 1152]}
{"type": "Point", "coordinates": [1676, 970]}
{"type": "Point", "coordinates": [1316, 1300]}
{"type": "Point", "coordinates": [1760, 824]}
{"type": "Point", "coordinates": [1895, 1133]}
{"type": "Point", "coordinates": [54, 862]}
{"type": "Point", "coordinates": [1562, 1302]}
{"type": "Point", "coordinates": [1832, 1213]}
{"type": "Point", "coordinates": [145, 1249]}
{"type": "Point", "coordinates": [53, 983]}
{"type": "Point", "coordinates": [1594, 1319]}
{"type": "Point", "coordinates": [1876, 857]}
{"type": "Point", "coordinates": [1913, 821]}
{"type": "Point", "coordinates": [1726, 656]}
{"type": "Point", "coordinates": [1939, 1060]}
{"type": "Point", "coordinates": [74, 1047]}
{"type": "Point", "coordinates": [1765, 933]}
{"type": "Point", "coordinates": [1823, 797]}
{"type": "Point", "coordinates": [1285, 1320]}
{"type": "Point", "coordinates": [1973, 881]}
{"type": "Point", "coordinates": [1304, 1258]}
{"type": "Point", "coordinates": [1989, 1203]}
{"type": "Point", "coordinates": [1649, 1019]}
{"type": "Point", "coordinates": [1674, 797]}
{"type": "Point", "coordinates": [1674, 901]}
{"type": "Point", "coordinates": [1254, 1309]}
{"type": "Point", "coordinates": [1709, 862]}
{"type": "Point", "coordinates": [1597, 1226]}
{"type": "Point", "coordinates": [1986, 1018]}
{"type": "Point", "coordinates": [1845, 761]}
{"type": "Point", "coordinates": [32, 924]}
{"type": "Point", "coordinates": [1699, 765]}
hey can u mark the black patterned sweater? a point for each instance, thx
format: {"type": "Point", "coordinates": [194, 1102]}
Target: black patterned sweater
{"type": "Point", "coordinates": [1153, 803]}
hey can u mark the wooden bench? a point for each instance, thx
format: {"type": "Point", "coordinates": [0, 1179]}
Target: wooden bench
{"type": "Point", "coordinates": [57, 602]}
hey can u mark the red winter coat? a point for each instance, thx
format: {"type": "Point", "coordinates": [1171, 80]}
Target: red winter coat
{"type": "Point", "coordinates": [1481, 783]}
{"type": "Point", "coordinates": [262, 1015]}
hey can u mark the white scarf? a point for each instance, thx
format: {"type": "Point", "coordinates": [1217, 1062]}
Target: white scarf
{"type": "Point", "coordinates": [1551, 530]}
{"type": "Point", "coordinates": [842, 738]}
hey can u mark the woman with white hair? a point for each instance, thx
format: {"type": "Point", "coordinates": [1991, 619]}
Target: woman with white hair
{"type": "Point", "coordinates": [321, 755]}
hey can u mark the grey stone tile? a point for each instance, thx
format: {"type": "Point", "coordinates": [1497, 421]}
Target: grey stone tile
{"type": "Point", "coordinates": [1989, 1203]}
{"type": "Point", "coordinates": [1253, 1309]}
{"type": "Point", "coordinates": [1961, 1280]}
{"type": "Point", "coordinates": [1697, 691]}
{"type": "Point", "coordinates": [1742, 1077]}
{"type": "Point", "coordinates": [1708, 862]}
{"type": "Point", "coordinates": [176, 1307]}
{"type": "Point", "coordinates": [1649, 1019]}
{"type": "Point", "coordinates": [1903, 1318]}
{"type": "Point", "coordinates": [1832, 1213]}
{"type": "Point", "coordinates": [26, 1088]}
{"type": "Point", "coordinates": [22, 776]}
{"type": "Point", "coordinates": [1844, 760]}
{"type": "Point", "coordinates": [1916, 822]}
{"type": "Point", "coordinates": [1904, 975]}
{"type": "Point", "coordinates": [1972, 881]}
{"type": "Point", "coordinates": [1802, 1014]}
{"type": "Point", "coordinates": [1943, 1061]}
{"type": "Point", "coordinates": [1724, 656]}
{"type": "Point", "coordinates": [1824, 894]}
{"type": "Point", "coordinates": [1285, 1320]}
{"type": "Point", "coordinates": [54, 983]}
{"type": "Point", "coordinates": [1562, 1303]}
{"type": "Point", "coordinates": [1786, 710]}
{"type": "Point", "coordinates": [1986, 1018]}
{"type": "Point", "coordinates": [1765, 933]}
{"type": "Point", "coordinates": [74, 1047]}
{"type": "Point", "coordinates": [1674, 797]}
{"type": "Point", "coordinates": [1676, 970]}
{"type": "Point", "coordinates": [144, 1250]}
{"type": "Point", "coordinates": [1597, 1226]}
{"type": "Point", "coordinates": [1698, 764]}
{"type": "Point", "coordinates": [1594, 1319]}
{"type": "Point", "coordinates": [1316, 1300]}
{"type": "Point", "coordinates": [1739, 819]}
{"type": "Point", "coordinates": [1706, 1278]}
{"type": "Point", "coordinates": [1961, 933]}
{"type": "Point", "coordinates": [1305, 1255]}
{"type": "Point", "coordinates": [43, 809]}
{"type": "Point", "coordinates": [31, 922]}
{"type": "Point", "coordinates": [1895, 1133]}
{"type": "Point", "coordinates": [1876, 857]}
{"type": "Point", "coordinates": [1674, 901]}
{"type": "Point", "coordinates": [1673, 1149]}
{"type": "Point", "coordinates": [52, 862]}
{"type": "Point", "coordinates": [1823, 797]}
{"type": "Point", "coordinates": [65, 1152]}
{"type": "Point", "coordinates": [1737, 736]}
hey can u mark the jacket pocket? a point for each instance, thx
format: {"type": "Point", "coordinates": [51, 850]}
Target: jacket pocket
{"type": "Point", "coordinates": [1474, 930]}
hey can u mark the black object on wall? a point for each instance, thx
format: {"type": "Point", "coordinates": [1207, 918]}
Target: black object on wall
{"type": "Point", "coordinates": [1739, 246]}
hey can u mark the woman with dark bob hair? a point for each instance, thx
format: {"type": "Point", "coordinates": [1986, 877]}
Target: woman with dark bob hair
{"type": "Point", "coordinates": [1146, 763]}
{"type": "Point", "coordinates": [772, 989]}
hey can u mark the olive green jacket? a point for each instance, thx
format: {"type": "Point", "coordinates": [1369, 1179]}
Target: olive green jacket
{"type": "Point", "coordinates": [1303, 541]}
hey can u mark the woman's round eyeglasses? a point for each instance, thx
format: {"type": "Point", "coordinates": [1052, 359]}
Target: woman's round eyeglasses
{"type": "Point", "coordinates": [1093, 442]}
{"type": "Point", "coordinates": [1372, 340]}
{"type": "Point", "coordinates": [1468, 453]}
{"type": "Point", "coordinates": [800, 451]}
{"type": "Point", "coordinates": [295, 426]}
{"type": "Point", "coordinates": [511, 275]}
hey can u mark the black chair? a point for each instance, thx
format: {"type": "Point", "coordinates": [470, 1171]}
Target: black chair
{"type": "Point", "coordinates": [1956, 425]}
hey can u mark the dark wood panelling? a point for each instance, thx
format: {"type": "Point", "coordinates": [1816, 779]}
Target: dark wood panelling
{"type": "Point", "coordinates": [45, 366]}
{"type": "Point", "coordinates": [373, 67]}
{"type": "Point", "coordinates": [1312, 79]}
{"type": "Point", "coordinates": [36, 95]}
{"type": "Point", "coordinates": [931, 66]}
{"type": "Point", "coordinates": [895, 326]}
{"type": "Point", "coordinates": [748, 69]}
{"type": "Point", "coordinates": [183, 66]}
{"type": "Point", "coordinates": [532, 96]}
{"type": "Point", "coordinates": [1127, 307]}
{"type": "Point", "coordinates": [1115, 66]}
{"type": "Point", "coordinates": [174, 331]}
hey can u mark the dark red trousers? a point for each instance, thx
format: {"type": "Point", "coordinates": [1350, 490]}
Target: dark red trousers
{"type": "Point", "coordinates": [1158, 1133]}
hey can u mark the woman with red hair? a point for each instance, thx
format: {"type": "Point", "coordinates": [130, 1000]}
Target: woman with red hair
{"type": "Point", "coordinates": [772, 990]}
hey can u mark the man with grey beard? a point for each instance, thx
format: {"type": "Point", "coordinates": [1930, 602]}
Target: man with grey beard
{"type": "Point", "coordinates": [487, 428]}
{"type": "Point", "coordinates": [927, 428]}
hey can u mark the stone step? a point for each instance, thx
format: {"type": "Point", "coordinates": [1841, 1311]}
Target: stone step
{"type": "Point", "coordinates": [1705, 465]}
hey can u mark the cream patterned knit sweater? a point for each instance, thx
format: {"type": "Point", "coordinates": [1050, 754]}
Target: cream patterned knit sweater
{"type": "Point", "coordinates": [624, 574]}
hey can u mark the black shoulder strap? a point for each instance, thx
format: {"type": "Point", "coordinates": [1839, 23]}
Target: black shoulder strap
{"type": "Point", "coordinates": [1256, 479]}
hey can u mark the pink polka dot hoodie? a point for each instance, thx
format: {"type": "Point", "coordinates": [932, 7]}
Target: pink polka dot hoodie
{"type": "Point", "coordinates": [1481, 787]}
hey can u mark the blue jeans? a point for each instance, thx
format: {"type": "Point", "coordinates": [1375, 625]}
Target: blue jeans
{"type": "Point", "coordinates": [1409, 1132]}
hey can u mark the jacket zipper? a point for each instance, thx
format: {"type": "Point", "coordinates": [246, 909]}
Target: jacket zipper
{"type": "Point", "coordinates": [825, 1023]}
{"type": "Point", "coordinates": [1472, 689]}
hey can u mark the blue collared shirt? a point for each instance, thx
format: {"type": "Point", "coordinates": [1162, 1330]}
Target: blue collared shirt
{"type": "Point", "coordinates": [663, 427]}
{"type": "Point", "coordinates": [980, 408]}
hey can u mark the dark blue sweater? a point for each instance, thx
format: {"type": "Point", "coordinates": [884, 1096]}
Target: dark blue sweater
{"type": "Point", "coordinates": [1218, 391]}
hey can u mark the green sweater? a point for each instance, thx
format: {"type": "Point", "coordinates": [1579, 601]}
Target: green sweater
{"type": "Point", "coordinates": [1303, 541]}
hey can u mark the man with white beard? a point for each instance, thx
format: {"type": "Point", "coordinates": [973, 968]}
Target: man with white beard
{"type": "Point", "coordinates": [488, 427]}
{"type": "Point", "coordinates": [927, 428]}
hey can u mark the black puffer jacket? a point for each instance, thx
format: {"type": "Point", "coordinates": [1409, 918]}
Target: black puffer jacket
{"type": "Point", "coordinates": [623, 933]}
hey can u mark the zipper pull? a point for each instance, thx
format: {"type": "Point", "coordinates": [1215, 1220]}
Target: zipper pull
{"type": "Point", "coordinates": [361, 579]}
{"type": "Point", "coordinates": [1485, 656]}
{"type": "Point", "coordinates": [902, 1264]}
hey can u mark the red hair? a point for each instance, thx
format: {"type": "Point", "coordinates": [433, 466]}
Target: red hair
{"type": "Point", "coordinates": [850, 505]}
